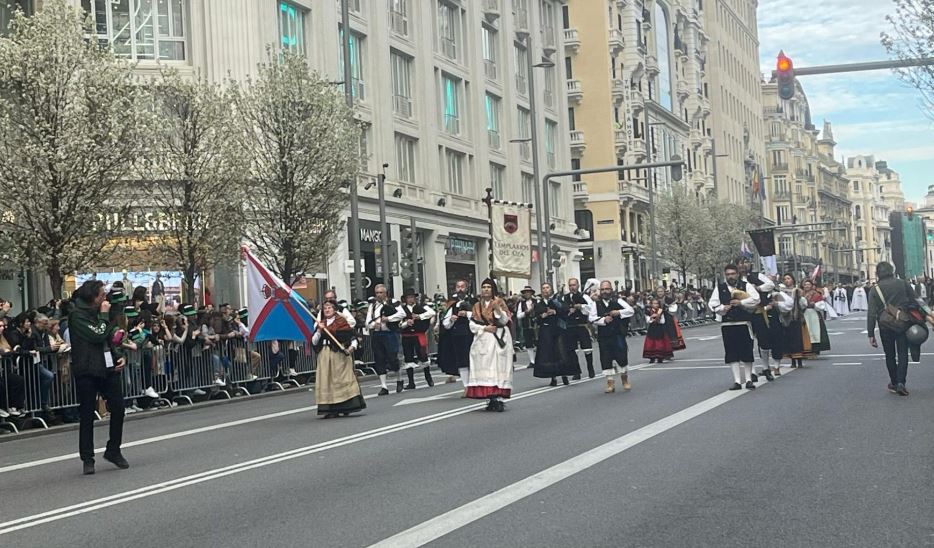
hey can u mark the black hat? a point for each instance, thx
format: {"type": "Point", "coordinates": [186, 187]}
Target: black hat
{"type": "Point", "coordinates": [243, 313]}
{"type": "Point", "coordinates": [492, 283]}
{"type": "Point", "coordinates": [409, 291]}
{"type": "Point", "coordinates": [116, 296]}
{"type": "Point", "coordinates": [130, 312]}
{"type": "Point", "coordinates": [527, 289]}
{"type": "Point", "coordinates": [188, 310]}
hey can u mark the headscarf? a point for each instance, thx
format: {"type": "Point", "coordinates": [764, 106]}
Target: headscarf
{"type": "Point", "coordinates": [485, 313]}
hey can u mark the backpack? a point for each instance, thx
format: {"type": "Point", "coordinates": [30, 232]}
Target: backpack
{"type": "Point", "coordinates": [893, 318]}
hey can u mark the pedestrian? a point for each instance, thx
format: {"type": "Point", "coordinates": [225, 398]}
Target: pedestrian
{"type": "Point", "coordinates": [382, 320]}
{"type": "Point", "coordinates": [337, 391]}
{"type": "Point", "coordinates": [578, 305]}
{"type": "Point", "coordinates": [733, 302]}
{"type": "Point", "coordinates": [840, 304]}
{"type": "Point", "coordinates": [859, 299]}
{"type": "Point", "coordinates": [667, 303]}
{"type": "Point", "coordinates": [525, 314]}
{"type": "Point", "coordinates": [890, 297]}
{"type": "Point", "coordinates": [760, 321]}
{"type": "Point", "coordinates": [796, 341]}
{"type": "Point", "coordinates": [454, 335]}
{"type": "Point", "coordinates": [414, 328]}
{"type": "Point", "coordinates": [491, 352]}
{"type": "Point", "coordinates": [553, 358]}
{"type": "Point", "coordinates": [97, 364]}
{"type": "Point", "coordinates": [611, 316]}
{"type": "Point", "coordinates": [657, 345]}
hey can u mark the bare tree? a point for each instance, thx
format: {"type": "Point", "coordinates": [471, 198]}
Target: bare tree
{"type": "Point", "coordinates": [72, 125]}
{"type": "Point", "coordinates": [911, 37]}
{"type": "Point", "coordinates": [194, 168]}
{"type": "Point", "coordinates": [302, 145]}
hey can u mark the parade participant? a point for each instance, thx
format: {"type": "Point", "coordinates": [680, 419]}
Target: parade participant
{"type": "Point", "coordinates": [525, 314]}
{"type": "Point", "coordinates": [672, 328]}
{"type": "Point", "coordinates": [415, 337]}
{"type": "Point", "coordinates": [342, 308]}
{"type": "Point", "coordinates": [733, 303]}
{"type": "Point", "coordinates": [796, 341]}
{"type": "Point", "coordinates": [578, 305]}
{"type": "Point", "coordinates": [611, 316]}
{"type": "Point", "coordinates": [491, 352]}
{"type": "Point", "coordinates": [337, 391]}
{"type": "Point", "coordinates": [859, 299]}
{"type": "Point", "coordinates": [553, 359]}
{"type": "Point", "coordinates": [779, 305]}
{"type": "Point", "coordinates": [657, 345]}
{"type": "Point", "coordinates": [382, 321]}
{"type": "Point", "coordinates": [760, 321]}
{"type": "Point", "coordinates": [817, 329]}
{"type": "Point", "coordinates": [840, 304]}
{"type": "Point", "coordinates": [454, 335]}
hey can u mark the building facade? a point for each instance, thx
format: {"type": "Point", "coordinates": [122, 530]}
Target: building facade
{"type": "Point", "coordinates": [440, 89]}
{"type": "Point", "coordinates": [808, 190]}
{"type": "Point", "coordinates": [873, 235]}
{"type": "Point", "coordinates": [637, 93]}
{"type": "Point", "coordinates": [735, 85]}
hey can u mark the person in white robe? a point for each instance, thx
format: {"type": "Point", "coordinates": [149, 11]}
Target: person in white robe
{"type": "Point", "coordinates": [840, 304]}
{"type": "Point", "coordinates": [859, 300]}
{"type": "Point", "coordinates": [491, 352]}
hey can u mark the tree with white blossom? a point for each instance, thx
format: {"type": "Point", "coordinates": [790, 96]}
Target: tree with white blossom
{"type": "Point", "coordinates": [73, 124]}
{"type": "Point", "coordinates": [912, 37]}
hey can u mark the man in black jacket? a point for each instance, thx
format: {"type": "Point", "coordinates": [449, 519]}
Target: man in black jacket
{"type": "Point", "coordinates": [97, 365]}
{"type": "Point", "coordinates": [899, 294]}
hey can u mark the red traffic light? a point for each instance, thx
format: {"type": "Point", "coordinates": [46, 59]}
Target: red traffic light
{"type": "Point", "coordinates": [783, 64]}
{"type": "Point", "coordinates": [785, 75]}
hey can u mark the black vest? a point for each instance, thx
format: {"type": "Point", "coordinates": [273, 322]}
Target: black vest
{"type": "Point", "coordinates": [736, 313]}
{"type": "Point", "coordinates": [528, 319]}
{"type": "Point", "coordinates": [387, 310]}
{"type": "Point", "coordinates": [420, 326]}
{"type": "Point", "coordinates": [542, 306]}
{"type": "Point", "coordinates": [575, 317]}
{"type": "Point", "coordinates": [461, 326]}
{"type": "Point", "coordinates": [619, 326]}
{"type": "Point", "coordinates": [753, 278]}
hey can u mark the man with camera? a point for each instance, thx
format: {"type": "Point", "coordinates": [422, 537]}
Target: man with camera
{"type": "Point", "coordinates": [97, 364]}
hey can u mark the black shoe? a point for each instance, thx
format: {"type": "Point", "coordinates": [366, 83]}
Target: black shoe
{"type": "Point", "coordinates": [117, 460]}
{"type": "Point", "coordinates": [590, 373]}
{"type": "Point", "coordinates": [491, 406]}
{"type": "Point", "coordinates": [576, 378]}
{"type": "Point", "coordinates": [768, 376]}
{"type": "Point", "coordinates": [383, 392]}
{"type": "Point", "coordinates": [428, 378]}
{"type": "Point", "coordinates": [88, 467]}
{"type": "Point", "coordinates": [554, 382]}
{"type": "Point", "coordinates": [901, 390]}
{"type": "Point", "coordinates": [736, 386]}
{"type": "Point", "coordinates": [565, 381]}
{"type": "Point", "coordinates": [399, 386]}
{"type": "Point", "coordinates": [499, 406]}
{"type": "Point", "coordinates": [754, 377]}
{"type": "Point", "coordinates": [891, 388]}
{"type": "Point", "coordinates": [750, 385]}
{"type": "Point", "coordinates": [410, 386]}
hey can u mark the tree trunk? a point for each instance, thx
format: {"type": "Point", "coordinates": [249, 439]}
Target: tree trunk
{"type": "Point", "coordinates": [188, 291]}
{"type": "Point", "coordinates": [56, 281]}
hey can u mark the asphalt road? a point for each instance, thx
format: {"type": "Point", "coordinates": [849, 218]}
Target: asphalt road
{"type": "Point", "coordinates": [824, 456]}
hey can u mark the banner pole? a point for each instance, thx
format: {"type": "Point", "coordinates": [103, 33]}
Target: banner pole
{"type": "Point", "coordinates": [489, 214]}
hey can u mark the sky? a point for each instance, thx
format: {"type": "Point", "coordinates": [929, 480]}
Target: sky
{"type": "Point", "coordinates": [871, 112]}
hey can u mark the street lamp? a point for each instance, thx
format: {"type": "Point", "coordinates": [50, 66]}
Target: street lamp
{"type": "Point", "coordinates": [384, 229]}
{"type": "Point", "coordinates": [354, 201]}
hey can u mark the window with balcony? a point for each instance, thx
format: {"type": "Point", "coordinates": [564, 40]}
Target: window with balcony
{"type": "Point", "coordinates": [401, 66]}
{"type": "Point", "coordinates": [551, 132]}
{"type": "Point", "coordinates": [405, 158]}
{"type": "Point", "coordinates": [857, 213]}
{"type": "Point", "coordinates": [855, 186]}
{"type": "Point", "coordinates": [575, 164]}
{"type": "Point", "coordinates": [524, 125]}
{"type": "Point", "coordinates": [490, 52]}
{"type": "Point", "coordinates": [549, 93]}
{"type": "Point", "coordinates": [662, 52]}
{"type": "Point", "coordinates": [448, 23]}
{"type": "Point", "coordinates": [497, 174]}
{"type": "Point", "coordinates": [528, 188]}
{"type": "Point", "coordinates": [493, 110]}
{"type": "Point", "coordinates": [455, 168]}
{"type": "Point", "coordinates": [356, 64]}
{"type": "Point", "coordinates": [451, 113]}
{"type": "Point", "coordinates": [143, 30]}
{"type": "Point", "coordinates": [399, 17]}
{"type": "Point", "coordinates": [778, 158]}
{"type": "Point", "coordinates": [522, 70]}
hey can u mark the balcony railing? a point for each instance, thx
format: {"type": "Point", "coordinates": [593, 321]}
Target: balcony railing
{"type": "Point", "coordinates": [572, 40]}
{"type": "Point", "coordinates": [449, 48]}
{"type": "Point", "coordinates": [494, 139]}
{"type": "Point", "coordinates": [575, 91]}
{"type": "Point", "coordinates": [616, 41]}
{"type": "Point", "coordinates": [548, 40]}
{"type": "Point", "coordinates": [489, 68]}
{"type": "Point", "coordinates": [491, 10]}
{"type": "Point", "coordinates": [452, 124]}
{"type": "Point", "coordinates": [402, 106]}
{"type": "Point", "coordinates": [399, 23]}
{"type": "Point", "coordinates": [525, 151]}
{"type": "Point", "coordinates": [522, 84]}
{"type": "Point", "coordinates": [522, 22]}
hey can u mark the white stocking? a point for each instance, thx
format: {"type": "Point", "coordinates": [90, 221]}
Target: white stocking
{"type": "Point", "coordinates": [747, 370]}
{"type": "Point", "coordinates": [736, 372]}
{"type": "Point", "coordinates": [382, 381]}
{"type": "Point", "coordinates": [464, 373]}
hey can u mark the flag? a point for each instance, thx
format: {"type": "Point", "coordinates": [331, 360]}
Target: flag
{"type": "Point", "coordinates": [764, 240]}
{"type": "Point", "coordinates": [511, 234]}
{"type": "Point", "coordinates": [761, 180]}
{"type": "Point", "coordinates": [744, 250]}
{"type": "Point", "coordinates": [817, 270]}
{"type": "Point", "coordinates": [276, 311]}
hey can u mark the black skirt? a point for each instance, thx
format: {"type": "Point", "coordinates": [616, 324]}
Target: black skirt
{"type": "Point", "coordinates": [354, 404]}
{"type": "Point", "coordinates": [552, 357]}
{"type": "Point", "coordinates": [454, 351]}
{"type": "Point", "coordinates": [762, 331]}
{"type": "Point", "coordinates": [737, 344]}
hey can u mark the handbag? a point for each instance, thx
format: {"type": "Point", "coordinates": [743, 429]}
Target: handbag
{"type": "Point", "coordinates": [892, 317]}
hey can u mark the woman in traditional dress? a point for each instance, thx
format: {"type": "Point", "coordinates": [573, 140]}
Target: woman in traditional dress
{"type": "Point", "coordinates": [817, 328]}
{"type": "Point", "coordinates": [657, 345]}
{"type": "Point", "coordinates": [669, 309]}
{"type": "Point", "coordinates": [491, 352]}
{"type": "Point", "coordinates": [337, 391]}
{"type": "Point", "coordinates": [859, 300]}
{"type": "Point", "coordinates": [796, 340]}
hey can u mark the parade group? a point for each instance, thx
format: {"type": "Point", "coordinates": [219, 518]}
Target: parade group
{"type": "Point", "coordinates": [773, 316]}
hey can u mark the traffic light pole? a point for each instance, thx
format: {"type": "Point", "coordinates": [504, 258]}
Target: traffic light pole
{"type": "Point", "coordinates": [384, 234]}
{"type": "Point", "coordinates": [859, 67]}
{"type": "Point", "coordinates": [414, 257]}
{"type": "Point", "coordinates": [354, 200]}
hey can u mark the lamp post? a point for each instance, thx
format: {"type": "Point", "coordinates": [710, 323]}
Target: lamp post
{"type": "Point", "coordinates": [354, 201]}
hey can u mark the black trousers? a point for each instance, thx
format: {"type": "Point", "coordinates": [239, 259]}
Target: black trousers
{"type": "Point", "coordinates": [385, 352]}
{"type": "Point", "coordinates": [111, 389]}
{"type": "Point", "coordinates": [413, 351]}
{"type": "Point", "coordinates": [578, 337]}
{"type": "Point", "coordinates": [896, 355]}
{"type": "Point", "coordinates": [12, 387]}
{"type": "Point", "coordinates": [613, 349]}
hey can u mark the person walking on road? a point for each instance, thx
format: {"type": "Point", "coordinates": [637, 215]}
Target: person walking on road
{"type": "Point", "coordinates": [733, 302]}
{"type": "Point", "coordinates": [892, 294]}
{"type": "Point", "coordinates": [578, 335]}
{"type": "Point", "coordinates": [382, 320]}
{"type": "Point", "coordinates": [611, 315]}
{"type": "Point", "coordinates": [97, 364]}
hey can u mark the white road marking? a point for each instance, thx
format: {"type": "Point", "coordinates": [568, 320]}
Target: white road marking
{"type": "Point", "coordinates": [462, 516]}
{"type": "Point", "coordinates": [666, 368]}
{"type": "Point", "coordinates": [708, 338]}
{"type": "Point", "coordinates": [410, 401]}
{"type": "Point", "coordinates": [838, 333]}
{"type": "Point", "coordinates": [848, 363]}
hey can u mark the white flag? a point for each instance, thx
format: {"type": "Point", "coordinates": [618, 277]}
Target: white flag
{"type": "Point", "coordinates": [512, 240]}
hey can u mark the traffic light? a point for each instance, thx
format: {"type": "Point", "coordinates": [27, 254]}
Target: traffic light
{"type": "Point", "coordinates": [677, 171]}
{"type": "Point", "coordinates": [785, 75]}
{"type": "Point", "coordinates": [408, 256]}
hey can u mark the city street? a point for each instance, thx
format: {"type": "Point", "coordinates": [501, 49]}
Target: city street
{"type": "Point", "coordinates": [822, 456]}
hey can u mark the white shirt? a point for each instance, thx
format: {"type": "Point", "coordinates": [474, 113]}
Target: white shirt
{"type": "Point", "coordinates": [748, 303]}
{"type": "Point", "coordinates": [373, 317]}
{"type": "Point", "coordinates": [316, 338]}
{"type": "Point", "coordinates": [428, 314]}
{"type": "Point", "coordinates": [626, 312]}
